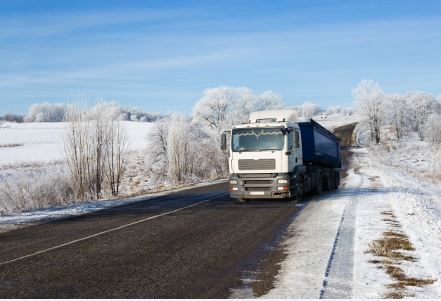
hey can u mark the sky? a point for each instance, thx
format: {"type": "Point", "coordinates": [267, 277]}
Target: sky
{"type": "Point", "coordinates": [160, 55]}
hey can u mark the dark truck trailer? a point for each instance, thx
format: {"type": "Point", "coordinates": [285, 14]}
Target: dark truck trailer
{"type": "Point", "coordinates": [321, 157]}
{"type": "Point", "coordinates": [319, 145]}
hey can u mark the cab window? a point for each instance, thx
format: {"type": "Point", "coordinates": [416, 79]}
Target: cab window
{"type": "Point", "coordinates": [297, 139]}
{"type": "Point", "coordinates": [290, 139]}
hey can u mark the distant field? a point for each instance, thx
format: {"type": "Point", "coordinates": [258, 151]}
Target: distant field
{"type": "Point", "coordinates": [43, 142]}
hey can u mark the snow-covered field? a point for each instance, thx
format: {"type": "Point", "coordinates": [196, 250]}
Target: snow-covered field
{"type": "Point", "coordinates": [42, 142]}
{"type": "Point", "coordinates": [378, 236]}
{"type": "Point", "coordinates": [33, 173]}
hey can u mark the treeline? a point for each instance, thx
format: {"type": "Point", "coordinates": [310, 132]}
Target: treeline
{"type": "Point", "coordinates": [58, 112]}
{"type": "Point", "coordinates": [411, 112]}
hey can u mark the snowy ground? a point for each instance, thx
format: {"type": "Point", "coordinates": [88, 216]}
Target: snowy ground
{"type": "Point", "coordinates": [42, 142]}
{"type": "Point", "coordinates": [413, 156]}
{"type": "Point", "coordinates": [378, 236]}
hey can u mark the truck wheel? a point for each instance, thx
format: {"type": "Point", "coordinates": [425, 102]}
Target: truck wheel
{"type": "Point", "coordinates": [300, 191]}
{"type": "Point", "coordinates": [327, 183]}
{"type": "Point", "coordinates": [332, 181]}
{"type": "Point", "coordinates": [319, 187]}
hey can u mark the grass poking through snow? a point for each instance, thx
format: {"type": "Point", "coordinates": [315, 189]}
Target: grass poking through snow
{"type": "Point", "coordinates": [391, 248]}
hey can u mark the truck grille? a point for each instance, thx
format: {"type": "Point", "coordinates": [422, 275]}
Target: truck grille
{"type": "Point", "coordinates": [259, 182]}
{"type": "Point", "coordinates": [261, 164]}
{"type": "Point", "coordinates": [258, 188]}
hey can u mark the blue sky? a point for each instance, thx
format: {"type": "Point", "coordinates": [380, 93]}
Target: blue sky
{"type": "Point", "coordinates": [161, 55]}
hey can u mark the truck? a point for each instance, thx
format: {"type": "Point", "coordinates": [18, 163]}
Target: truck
{"type": "Point", "coordinates": [276, 156]}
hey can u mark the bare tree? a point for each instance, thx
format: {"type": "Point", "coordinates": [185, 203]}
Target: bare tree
{"type": "Point", "coordinates": [369, 99]}
{"type": "Point", "coordinates": [422, 105]}
{"type": "Point", "coordinates": [95, 150]}
{"type": "Point", "coordinates": [308, 109]}
{"type": "Point", "coordinates": [212, 109]}
{"type": "Point", "coordinates": [116, 155]}
{"type": "Point", "coordinates": [178, 148]}
{"type": "Point", "coordinates": [269, 100]}
{"type": "Point", "coordinates": [157, 152]}
{"type": "Point", "coordinates": [78, 151]}
{"type": "Point", "coordinates": [397, 113]}
{"type": "Point", "coordinates": [433, 129]}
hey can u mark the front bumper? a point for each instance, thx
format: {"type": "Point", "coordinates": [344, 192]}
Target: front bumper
{"type": "Point", "coordinates": [259, 186]}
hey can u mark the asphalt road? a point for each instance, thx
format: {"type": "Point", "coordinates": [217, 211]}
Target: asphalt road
{"type": "Point", "coordinates": [189, 244]}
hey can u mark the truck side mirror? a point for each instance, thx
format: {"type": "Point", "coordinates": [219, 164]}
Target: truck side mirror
{"type": "Point", "coordinates": [223, 141]}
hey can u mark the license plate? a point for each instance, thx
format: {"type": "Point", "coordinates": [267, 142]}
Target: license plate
{"type": "Point", "coordinates": [257, 192]}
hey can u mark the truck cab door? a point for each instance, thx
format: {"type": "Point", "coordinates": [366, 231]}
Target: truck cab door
{"type": "Point", "coordinates": [291, 150]}
{"type": "Point", "coordinates": [294, 150]}
{"type": "Point", "coordinates": [297, 150]}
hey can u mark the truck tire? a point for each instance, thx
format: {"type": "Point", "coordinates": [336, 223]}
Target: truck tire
{"type": "Point", "coordinates": [327, 183]}
{"type": "Point", "coordinates": [335, 180]}
{"type": "Point", "coordinates": [319, 186]}
{"type": "Point", "coordinates": [300, 191]}
{"type": "Point", "coordinates": [332, 181]}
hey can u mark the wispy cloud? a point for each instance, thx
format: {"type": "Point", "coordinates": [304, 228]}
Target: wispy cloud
{"type": "Point", "coordinates": [47, 25]}
{"type": "Point", "coordinates": [122, 69]}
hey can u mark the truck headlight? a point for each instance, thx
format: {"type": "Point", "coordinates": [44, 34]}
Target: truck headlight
{"type": "Point", "coordinates": [283, 181]}
{"type": "Point", "coordinates": [233, 182]}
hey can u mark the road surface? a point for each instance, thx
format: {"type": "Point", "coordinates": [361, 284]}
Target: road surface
{"type": "Point", "coordinates": [189, 244]}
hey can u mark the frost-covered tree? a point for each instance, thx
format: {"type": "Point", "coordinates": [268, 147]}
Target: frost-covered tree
{"type": "Point", "coordinates": [433, 128]}
{"type": "Point", "coordinates": [115, 157]}
{"type": "Point", "coordinates": [157, 138]}
{"type": "Point", "coordinates": [308, 109]}
{"type": "Point", "coordinates": [396, 113]}
{"type": "Point", "coordinates": [215, 106]}
{"type": "Point", "coordinates": [12, 117]}
{"type": "Point", "coordinates": [269, 100]}
{"type": "Point", "coordinates": [221, 107]}
{"type": "Point", "coordinates": [369, 99]}
{"type": "Point", "coordinates": [422, 105]}
{"type": "Point", "coordinates": [46, 112]}
{"type": "Point", "coordinates": [179, 150]}
{"type": "Point", "coordinates": [94, 147]}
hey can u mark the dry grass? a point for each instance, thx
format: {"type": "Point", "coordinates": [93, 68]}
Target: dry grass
{"type": "Point", "coordinates": [390, 249]}
{"type": "Point", "coordinates": [394, 295]}
{"type": "Point", "coordinates": [10, 145]}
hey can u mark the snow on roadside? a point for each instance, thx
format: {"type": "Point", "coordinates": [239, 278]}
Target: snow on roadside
{"type": "Point", "coordinates": [418, 207]}
{"type": "Point", "coordinates": [11, 222]}
{"type": "Point", "coordinates": [310, 244]}
{"type": "Point", "coordinates": [395, 195]}
{"type": "Point", "coordinates": [378, 193]}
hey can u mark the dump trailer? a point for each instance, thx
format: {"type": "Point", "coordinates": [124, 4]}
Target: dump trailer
{"type": "Point", "coordinates": [275, 156]}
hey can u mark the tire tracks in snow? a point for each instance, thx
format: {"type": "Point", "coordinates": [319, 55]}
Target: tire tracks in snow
{"type": "Point", "coordinates": [338, 278]}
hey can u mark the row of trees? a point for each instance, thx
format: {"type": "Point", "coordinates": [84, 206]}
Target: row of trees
{"type": "Point", "coordinates": [57, 112]}
{"type": "Point", "coordinates": [414, 111]}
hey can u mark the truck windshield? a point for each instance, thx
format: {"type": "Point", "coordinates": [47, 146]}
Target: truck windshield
{"type": "Point", "coordinates": [254, 140]}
